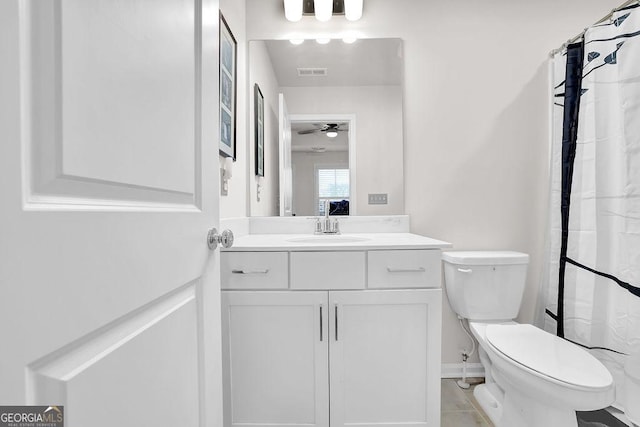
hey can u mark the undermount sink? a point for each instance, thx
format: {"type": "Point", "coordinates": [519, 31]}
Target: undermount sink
{"type": "Point", "coordinates": [328, 239]}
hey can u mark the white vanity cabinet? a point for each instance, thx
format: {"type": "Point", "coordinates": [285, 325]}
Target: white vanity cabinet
{"type": "Point", "coordinates": [384, 358]}
{"type": "Point", "coordinates": [367, 356]}
{"type": "Point", "coordinates": [275, 358]}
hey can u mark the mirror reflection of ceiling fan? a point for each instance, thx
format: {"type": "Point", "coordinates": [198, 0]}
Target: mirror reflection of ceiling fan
{"type": "Point", "coordinates": [329, 129]}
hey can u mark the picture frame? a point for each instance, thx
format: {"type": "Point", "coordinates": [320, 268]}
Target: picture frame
{"type": "Point", "coordinates": [228, 90]}
{"type": "Point", "coordinates": [258, 109]}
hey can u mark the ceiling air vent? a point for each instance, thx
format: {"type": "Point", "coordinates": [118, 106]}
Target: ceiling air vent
{"type": "Point", "coordinates": [312, 72]}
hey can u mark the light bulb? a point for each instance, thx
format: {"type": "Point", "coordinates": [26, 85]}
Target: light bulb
{"type": "Point", "coordinates": [332, 133]}
{"type": "Point", "coordinates": [323, 9]}
{"type": "Point", "coordinates": [349, 40]}
{"type": "Point", "coordinates": [323, 40]}
{"type": "Point", "coordinates": [296, 41]}
{"type": "Point", "coordinates": [293, 10]}
{"type": "Point", "coordinates": [353, 9]}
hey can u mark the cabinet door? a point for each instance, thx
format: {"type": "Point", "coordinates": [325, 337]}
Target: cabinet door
{"type": "Point", "coordinates": [385, 357]}
{"type": "Point", "coordinates": [275, 358]}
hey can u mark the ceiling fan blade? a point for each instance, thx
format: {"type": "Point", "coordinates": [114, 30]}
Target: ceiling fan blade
{"type": "Point", "coordinates": [307, 131]}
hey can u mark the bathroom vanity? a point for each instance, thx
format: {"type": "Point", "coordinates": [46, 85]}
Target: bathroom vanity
{"type": "Point", "coordinates": [332, 330]}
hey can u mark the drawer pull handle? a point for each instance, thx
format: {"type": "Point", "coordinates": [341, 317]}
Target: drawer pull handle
{"type": "Point", "coordinates": [321, 332]}
{"type": "Point", "coordinates": [335, 313]}
{"type": "Point", "coordinates": [406, 270]}
{"type": "Point", "coordinates": [465, 270]}
{"type": "Point", "coordinates": [265, 271]}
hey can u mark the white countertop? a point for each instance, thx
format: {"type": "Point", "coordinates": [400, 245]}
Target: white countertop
{"type": "Point", "coordinates": [341, 242]}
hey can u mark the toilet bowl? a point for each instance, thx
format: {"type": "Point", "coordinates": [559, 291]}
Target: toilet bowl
{"type": "Point", "coordinates": [543, 379]}
{"type": "Point", "coordinates": [532, 378]}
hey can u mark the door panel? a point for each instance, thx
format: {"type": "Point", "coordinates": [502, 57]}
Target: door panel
{"type": "Point", "coordinates": [274, 358]}
{"type": "Point", "coordinates": [385, 358]}
{"type": "Point", "coordinates": [286, 173]}
{"type": "Point", "coordinates": [101, 118]}
{"type": "Point", "coordinates": [109, 295]}
{"type": "Point", "coordinates": [118, 358]}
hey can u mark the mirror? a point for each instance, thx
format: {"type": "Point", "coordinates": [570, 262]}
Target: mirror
{"type": "Point", "coordinates": [344, 103]}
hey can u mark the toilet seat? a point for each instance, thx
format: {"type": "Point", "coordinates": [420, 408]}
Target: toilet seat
{"type": "Point", "coordinates": [548, 355]}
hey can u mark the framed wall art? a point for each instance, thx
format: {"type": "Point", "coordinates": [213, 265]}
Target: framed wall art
{"type": "Point", "coordinates": [228, 84]}
{"type": "Point", "coordinates": [259, 132]}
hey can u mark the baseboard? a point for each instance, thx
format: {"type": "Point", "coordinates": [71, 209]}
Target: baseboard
{"type": "Point", "coordinates": [454, 370]}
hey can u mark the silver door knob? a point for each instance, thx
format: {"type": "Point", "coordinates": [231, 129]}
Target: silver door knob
{"type": "Point", "coordinates": [225, 238]}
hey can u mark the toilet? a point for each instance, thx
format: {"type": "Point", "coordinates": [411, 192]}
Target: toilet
{"type": "Point", "coordinates": [532, 378]}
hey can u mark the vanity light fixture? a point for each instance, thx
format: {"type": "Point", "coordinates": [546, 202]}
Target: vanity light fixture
{"type": "Point", "coordinates": [323, 9]}
{"type": "Point", "coordinates": [323, 40]}
{"type": "Point", "coordinates": [353, 9]}
{"type": "Point", "coordinates": [332, 133]}
{"type": "Point", "coordinates": [293, 10]}
{"type": "Point", "coordinates": [296, 41]}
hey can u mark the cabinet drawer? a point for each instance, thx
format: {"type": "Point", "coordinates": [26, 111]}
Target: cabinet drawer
{"type": "Point", "coordinates": [328, 270]}
{"type": "Point", "coordinates": [404, 269]}
{"type": "Point", "coordinates": [254, 270]}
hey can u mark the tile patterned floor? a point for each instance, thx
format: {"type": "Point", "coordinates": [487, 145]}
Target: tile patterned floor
{"type": "Point", "coordinates": [460, 408]}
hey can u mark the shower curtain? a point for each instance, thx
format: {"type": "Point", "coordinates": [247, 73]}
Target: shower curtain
{"type": "Point", "coordinates": [593, 258]}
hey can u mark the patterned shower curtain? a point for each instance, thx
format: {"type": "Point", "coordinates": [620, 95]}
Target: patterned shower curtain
{"type": "Point", "coordinates": [593, 266]}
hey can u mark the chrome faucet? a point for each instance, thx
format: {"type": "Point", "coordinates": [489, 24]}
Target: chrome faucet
{"type": "Point", "coordinates": [327, 226]}
{"type": "Point", "coordinates": [327, 220]}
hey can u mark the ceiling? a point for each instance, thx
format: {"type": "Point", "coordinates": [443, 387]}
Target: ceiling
{"type": "Point", "coordinates": [367, 62]}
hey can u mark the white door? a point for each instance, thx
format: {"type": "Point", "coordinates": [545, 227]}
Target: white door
{"type": "Point", "coordinates": [385, 358]}
{"type": "Point", "coordinates": [109, 296]}
{"type": "Point", "coordinates": [284, 144]}
{"type": "Point", "coordinates": [275, 359]}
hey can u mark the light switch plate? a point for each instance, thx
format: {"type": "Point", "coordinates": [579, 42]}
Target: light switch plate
{"type": "Point", "coordinates": [378, 199]}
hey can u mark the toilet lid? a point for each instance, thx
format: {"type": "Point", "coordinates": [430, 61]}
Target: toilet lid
{"type": "Point", "coordinates": [549, 355]}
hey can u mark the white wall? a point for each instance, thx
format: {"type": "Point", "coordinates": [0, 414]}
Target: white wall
{"type": "Point", "coordinates": [261, 72]}
{"type": "Point", "coordinates": [475, 115]}
{"type": "Point", "coordinates": [304, 178]}
{"type": "Point", "coordinates": [379, 148]}
{"type": "Point", "coordinates": [235, 204]}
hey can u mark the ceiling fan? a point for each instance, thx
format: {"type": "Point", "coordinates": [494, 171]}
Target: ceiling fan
{"type": "Point", "coordinates": [329, 129]}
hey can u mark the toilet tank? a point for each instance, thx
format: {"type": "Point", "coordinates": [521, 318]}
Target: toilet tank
{"type": "Point", "coordinates": [485, 285]}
